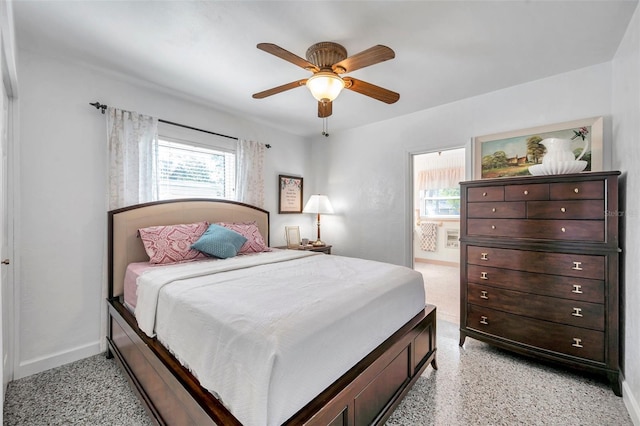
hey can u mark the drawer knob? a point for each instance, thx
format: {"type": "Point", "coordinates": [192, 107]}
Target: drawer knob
{"type": "Point", "coordinates": [526, 192]}
{"type": "Point", "coordinates": [577, 289]}
{"type": "Point", "coordinates": [483, 256]}
{"type": "Point", "coordinates": [484, 295]}
{"type": "Point", "coordinates": [577, 343]}
{"type": "Point", "coordinates": [563, 229]}
{"type": "Point", "coordinates": [577, 266]}
{"type": "Point", "coordinates": [576, 190]}
{"type": "Point", "coordinates": [493, 209]}
{"type": "Point", "coordinates": [484, 320]}
{"type": "Point", "coordinates": [493, 227]}
{"type": "Point", "coordinates": [562, 209]}
{"type": "Point", "coordinates": [483, 276]}
{"type": "Point", "coordinates": [577, 312]}
{"type": "Point", "coordinates": [484, 194]}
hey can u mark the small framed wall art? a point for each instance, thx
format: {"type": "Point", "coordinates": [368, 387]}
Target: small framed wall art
{"type": "Point", "coordinates": [293, 236]}
{"type": "Point", "coordinates": [290, 194]}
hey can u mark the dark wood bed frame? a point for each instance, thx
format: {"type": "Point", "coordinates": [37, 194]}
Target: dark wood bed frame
{"type": "Point", "coordinates": [366, 394]}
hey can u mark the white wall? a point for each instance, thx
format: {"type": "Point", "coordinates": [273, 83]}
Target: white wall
{"type": "Point", "coordinates": [61, 226]}
{"type": "Point", "coordinates": [365, 171]}
{"type": "Point", "coordinates": [626, 157]}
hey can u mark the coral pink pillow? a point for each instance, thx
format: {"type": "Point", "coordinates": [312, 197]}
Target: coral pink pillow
{"type": "Point", "coordinates": [255, 242]}
{"type": "Point", "coordinates": [172, 243]}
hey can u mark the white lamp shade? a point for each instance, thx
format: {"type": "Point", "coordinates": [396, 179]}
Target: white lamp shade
{"type": "Point", "coordinates": [318, 204]}
{"type": "Point", "coordinates": [325, 86]}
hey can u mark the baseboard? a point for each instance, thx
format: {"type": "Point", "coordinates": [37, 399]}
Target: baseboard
{"type": "Point", "coordinates": [37, 365]}
{"type": "Point", "coordinates": [631, 402]}
{"type": "Point", "coordinates": [437, 262]}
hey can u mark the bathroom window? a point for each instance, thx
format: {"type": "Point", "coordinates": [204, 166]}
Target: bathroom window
{"type": "Point", "coordinates": [442, 202]}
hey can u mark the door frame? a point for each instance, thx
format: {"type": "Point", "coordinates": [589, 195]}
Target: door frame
{"type": "Point", "coordinates": [9, 301]}
{"type": "Point", "coordinates": [409, 185]}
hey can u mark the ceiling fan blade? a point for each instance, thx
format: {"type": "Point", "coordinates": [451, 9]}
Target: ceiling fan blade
{"type": "Point", "coordinates": [325, 109]}
{"type": "Point", "coordinates": [371, 56]}
{"type": "Point", "coordinates": [371, 90]}
{"type": "Point", "coordinates": [280, 89]}
{"type": "Point", "coordinates": [287, 56]}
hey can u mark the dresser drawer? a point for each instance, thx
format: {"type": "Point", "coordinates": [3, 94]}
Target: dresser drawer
{"type": "Point", "coordinates": [573, 209]}
{"type": "Point", "coordinates": [485, 193]}
{"type": "Point", "coordinates": [587, 190]}
{"type": "Point", "coordinates": [563, 311]}
{"type": "Point", "coordinates": [516, 210]}
{"type": "Point", "coordinates": [534, 191]}
{"type": "Point", "coordinates": [562, 339]}
{"type": "Point", "coordinates": [573, 288]}
{"type": "Point", "coordinates": [563, 230]}
{"type": "Point", "coordinates": [572, 265]}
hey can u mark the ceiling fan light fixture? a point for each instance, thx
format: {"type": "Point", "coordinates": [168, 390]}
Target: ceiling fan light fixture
{"type": "Point", "coordinates": [325, 86]}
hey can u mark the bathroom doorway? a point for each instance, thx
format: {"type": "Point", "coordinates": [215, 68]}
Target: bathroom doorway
{"type": "Point", "coordinates": [436, 230]}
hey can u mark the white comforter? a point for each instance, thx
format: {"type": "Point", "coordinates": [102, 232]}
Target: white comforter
{"type": "Point", "coordinates": [273, 330]}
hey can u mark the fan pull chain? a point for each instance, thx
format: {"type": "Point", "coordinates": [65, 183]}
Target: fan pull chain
{"type": "Point", "coordinates": [325, 126]}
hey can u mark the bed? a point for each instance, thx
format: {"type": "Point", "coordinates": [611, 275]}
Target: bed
{"type": "Point", "coordinates": [366, 392]}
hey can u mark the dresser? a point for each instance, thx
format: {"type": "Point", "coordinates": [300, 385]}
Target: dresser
{"type": "Point", "coordinates": [539, 268]}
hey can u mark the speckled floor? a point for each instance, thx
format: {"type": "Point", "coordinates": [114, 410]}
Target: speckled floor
{"type": "Point", "coordinates": [92, 391]}
{"type": "Point", "coordinates": [482, 385]}
{"type": "Point", "coordinates": [474, 385]}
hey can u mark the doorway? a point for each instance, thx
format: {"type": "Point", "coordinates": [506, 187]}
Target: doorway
{"type": "Point", "coordinates": [436, 219]}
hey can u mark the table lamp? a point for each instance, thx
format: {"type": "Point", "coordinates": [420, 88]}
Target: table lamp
{"type": "Point", "coordinates": [318, 204]}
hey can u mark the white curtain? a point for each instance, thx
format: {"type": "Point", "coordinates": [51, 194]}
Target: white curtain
{"type": "Point", "coordinates": [445, 172]}
{"type": "Point", "coordinates": [133, 157]}
{"type": "Point", "coordinates": [132, 141]}
{"type": "Point", "coordinates": [250, 172]}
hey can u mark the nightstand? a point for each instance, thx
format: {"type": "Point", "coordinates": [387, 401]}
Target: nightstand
{"type": "Point", "coordinates": [323, 249]}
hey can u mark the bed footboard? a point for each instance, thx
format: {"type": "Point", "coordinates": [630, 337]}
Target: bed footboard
{"type": "Point", "coordinates": [366, 394]}
{"type": "Point", "coordinates": [170, 394]}
{"type": "Point", "coordinates": [369, 392]}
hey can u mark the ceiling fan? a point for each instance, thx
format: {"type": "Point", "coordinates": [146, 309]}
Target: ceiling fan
{"type": "Point", "coordinates": [326, 60]}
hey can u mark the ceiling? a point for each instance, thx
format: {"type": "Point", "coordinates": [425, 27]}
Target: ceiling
{"type": "Point", "coordinates": [445, 50]}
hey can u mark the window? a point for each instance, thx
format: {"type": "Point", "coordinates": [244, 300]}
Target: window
{"type": "Point", "coordinates": [191, 170]}
{"type": "Point", "coordinates": [437, 177]}
{"type": "Point", "coordinates": [440, 202]}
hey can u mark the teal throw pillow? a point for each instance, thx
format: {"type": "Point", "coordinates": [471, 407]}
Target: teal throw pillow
{"type": "Point", "coordinates": [219, 241]}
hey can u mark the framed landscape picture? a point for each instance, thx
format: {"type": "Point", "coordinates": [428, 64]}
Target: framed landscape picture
{"type": "Point", "coordinates": [512, 153]}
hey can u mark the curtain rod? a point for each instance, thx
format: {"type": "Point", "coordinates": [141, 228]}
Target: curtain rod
{"type": "Point", "coordinates": [103, 107]}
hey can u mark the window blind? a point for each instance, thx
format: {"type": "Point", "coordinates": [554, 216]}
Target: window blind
{"type": "Point", "coordinates": [190, 171]}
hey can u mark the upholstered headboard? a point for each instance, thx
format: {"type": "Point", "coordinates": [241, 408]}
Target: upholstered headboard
{"type": "Point", "coordinates": [126, 247]}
